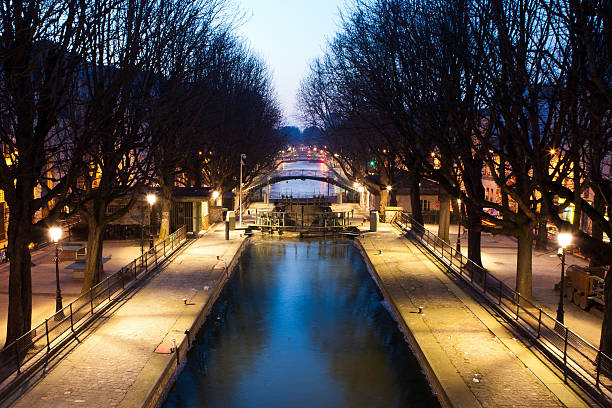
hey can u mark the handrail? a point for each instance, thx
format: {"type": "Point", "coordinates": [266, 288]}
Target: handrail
{"type": "Point", "coordinates": [576, 357]}
{"type": "Point", "coordinates": [40, 343]}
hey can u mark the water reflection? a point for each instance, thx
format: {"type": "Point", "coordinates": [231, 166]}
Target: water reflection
{"type": "Point", "coordinates": [301, 324]}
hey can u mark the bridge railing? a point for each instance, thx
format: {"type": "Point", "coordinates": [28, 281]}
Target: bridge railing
{"type": "Point", "coordinates": [296, 220]}
{"type": "Point", "coordinates": [576, 357]}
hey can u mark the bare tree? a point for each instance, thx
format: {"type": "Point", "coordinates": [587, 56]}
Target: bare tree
{"type": "Point", "coordinates": [40, 47]}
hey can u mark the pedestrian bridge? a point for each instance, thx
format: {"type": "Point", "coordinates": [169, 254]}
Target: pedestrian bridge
{"type": "Point", "coordinates": [329, 176]}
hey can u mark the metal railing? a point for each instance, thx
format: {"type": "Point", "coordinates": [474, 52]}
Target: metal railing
{"type": "Point", "coordinates": [333, 220]}
{"type": "Point", "coordinates": [39, 344]}
{"type": "Point", "coordinates": [575, 357]}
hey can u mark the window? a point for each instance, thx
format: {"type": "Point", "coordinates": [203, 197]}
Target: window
{"type": "Point", "coordinates": [425, 205]}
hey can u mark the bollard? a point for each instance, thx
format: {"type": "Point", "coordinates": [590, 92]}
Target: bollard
{"type": "Point", "coordinates": [227, 229]}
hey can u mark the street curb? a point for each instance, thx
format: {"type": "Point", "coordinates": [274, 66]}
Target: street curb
{"type": "Point", "coordinates": [449, 393]}
{"type": "Point", "coordinates": [175, 362]}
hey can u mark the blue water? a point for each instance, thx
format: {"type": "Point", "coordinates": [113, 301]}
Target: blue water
{"type": "Point", "coordinates": [301, 324]}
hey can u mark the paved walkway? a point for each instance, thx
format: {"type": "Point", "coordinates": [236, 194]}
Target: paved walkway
{"type": "Point", "coordinates": [477, 361]}
{"type": "Point", "coordinates": [499, 257]}
{"type": "Point", "coordinates": [116, 363]}
{"type": "Point", "coordinates": [43, 279]}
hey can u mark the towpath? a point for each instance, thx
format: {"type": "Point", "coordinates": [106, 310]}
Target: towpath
{"type": "Point", "coordinates": [470, 357]}
{"type": "Point", "coordinates": [121, 359]}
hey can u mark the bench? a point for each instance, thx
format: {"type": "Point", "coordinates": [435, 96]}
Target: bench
{"type": "Point", "coordinates": [78, 267]}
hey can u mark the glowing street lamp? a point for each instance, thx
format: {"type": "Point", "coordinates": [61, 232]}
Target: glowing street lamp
{"type": "Point", "coordinates": [458, 246]}
{"type": "Point", "coordinates": [388, 188]}
{"type": "Point", "coordinates": [215, 195]}
{"type": "Point", "coordinates": [151, 199]}
{"type": "Point", "coordinates": [55, 233]}
{"type": "Point", "coordinates": [564, 239]}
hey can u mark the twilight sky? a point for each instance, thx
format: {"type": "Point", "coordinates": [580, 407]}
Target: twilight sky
{"type": "Point", "coordinates": [289, 34]}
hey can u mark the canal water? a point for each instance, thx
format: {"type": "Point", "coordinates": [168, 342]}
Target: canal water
{"type": "Point", "coordinates": [300, 324]}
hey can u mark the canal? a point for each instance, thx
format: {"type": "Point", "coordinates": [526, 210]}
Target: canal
{"type": "Point", "coordinates": [300, 324]}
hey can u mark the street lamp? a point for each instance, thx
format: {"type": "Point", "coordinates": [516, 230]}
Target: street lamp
{"type": "Point", "coordinates": [55, 233]}
{"type": "Point", "coordinates": [564, 239]}
{"type": "Point", "coordinates": [242, 163]}
{"type": "Point", "coordinates": [458, 247]}
{"type": "Point", "coordinates": [215, 195]}
{"type": "Point", "coordinates": [151, 199]}
{"type": "Point", "coordinates": [388, 188]}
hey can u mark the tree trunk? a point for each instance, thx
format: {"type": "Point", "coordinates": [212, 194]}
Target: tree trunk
{"type": "Point", "coordinates": [444, 218]}
{"type": "Point", "coordinates": [384, 200]}
{"type": "Point", "coordinates": [523, 261]}
{"type": "Point", "coordinates": [542, 238]}
{"type": "Point", "coordinates": [93, 264]}
{"type": "Point", "coordinates": [474, 219]}
{"type": "Point", "coordinates": [393, 198]}
{"type": "Point", "coordinates": [166, 207]}
{"type": "Point", "coordinates": [605, 343]}
{"type": "Point", "coordinates": [20, 278]}
{"type": "Point", "coordinates": [415, 198]}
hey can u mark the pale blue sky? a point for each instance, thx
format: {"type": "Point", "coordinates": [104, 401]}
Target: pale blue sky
{"type": "Point", "coordinates": [289, 35]}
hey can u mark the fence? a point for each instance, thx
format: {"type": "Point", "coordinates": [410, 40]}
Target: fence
{"type": "Point", "coordinates": [575, 357]}
{"type": "Point", "coordinates": [39, 344]}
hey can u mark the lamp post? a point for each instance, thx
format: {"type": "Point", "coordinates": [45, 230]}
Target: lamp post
{"type": "Point", "coordinates": [55, 233]}
{"type": "Point", "coordinates": [151, 199]}
{"type": "Point", "coordinates": [458, 247]}
{"type": "Point", "coordinates": [564, 239]}
{"type": "Point", "coordinates": [242, 163]}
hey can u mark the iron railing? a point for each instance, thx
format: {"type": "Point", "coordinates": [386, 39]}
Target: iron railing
{"type": "Point", "coordinates": [333, 220]}
{"type": "Point", "coordinates": [39, 344]}
{"type": "Point", "coordinates": [574, 356]}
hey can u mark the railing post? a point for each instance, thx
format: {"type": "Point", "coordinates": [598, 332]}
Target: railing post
{"type": "Point", "coordinates": [165, 246]}
{"type": "Point", "coordinates": [108, 288]}
{"type": "Point", "coordinates": [71, 322]}
{"type": "Point", "coordinates": [518, 303]}
{"type": "Point", "coordinates": [91, 300]}
{"type": "Point", "coordinates": [565, 357]}
{"type": "Point", "coordinates": [539, 322]}
{"type": "Point", "coordinates": [501, 291]}
{"type": "Point", "coordinates": [598, 368]}
{"type": "Point", "coordinates": [47, 335]}
{"type": "Point", "coordinates": [484, 282]}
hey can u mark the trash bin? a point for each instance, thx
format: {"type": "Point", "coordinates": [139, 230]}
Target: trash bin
{"type": "Point", "coordinates": [373, 221]}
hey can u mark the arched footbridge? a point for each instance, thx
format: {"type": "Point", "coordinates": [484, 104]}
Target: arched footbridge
{"type": "Point", "coordinates": [330, 177]}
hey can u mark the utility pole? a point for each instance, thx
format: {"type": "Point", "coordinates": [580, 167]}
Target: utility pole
{"type": "Point", "coordinates": [242, 163]}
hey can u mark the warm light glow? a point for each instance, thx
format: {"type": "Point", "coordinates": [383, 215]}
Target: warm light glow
{"type": "Point", "coordinates": [55, 233]}
{"type": "Point", "coordinates": [355, 184]}
{"type": "Point", "coordinates": [215, 195]}
{"type": "Point", "coordinates": [564, 239]}
{"type": "Point", "coordinates": [433, 154]}
{"type": "Point", "coordinates": [388, 188]}
{"type": "Point", "coordinates": [552, 151]}
{"type": "Point", "coordinates": [361, 189]}
{"type": "Point", "coordinates": [458, 201]}
{"type": "Point", "coordinates": [151, 198]}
